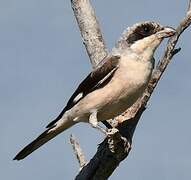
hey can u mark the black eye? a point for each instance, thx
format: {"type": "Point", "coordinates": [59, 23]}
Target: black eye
{"type": "Point", "coordinates": [141, 31]}
{"type": "Point", "coordinates": [146, 29]}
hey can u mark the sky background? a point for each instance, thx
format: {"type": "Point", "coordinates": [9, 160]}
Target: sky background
{"type": "Point", "coordinates": [42, 60]}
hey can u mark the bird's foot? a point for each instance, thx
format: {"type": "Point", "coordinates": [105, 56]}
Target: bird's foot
{"type": "Point", "coordinates": [94, 122]}
{"type": "Point", "coordinates": [101, 129]}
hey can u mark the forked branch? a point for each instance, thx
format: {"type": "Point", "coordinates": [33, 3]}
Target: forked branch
{"type": "Point", "coordinates": [115, 148]}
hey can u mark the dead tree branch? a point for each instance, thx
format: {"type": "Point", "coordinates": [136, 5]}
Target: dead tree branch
{"type": "Point", "coordinates": [189, 8]}
{"type": "Point", "coordinates": [78, 151]}
{"type": "Point", "coordinates": [90, 31]}
{"type": "Point", "coordinates": [116, 148]}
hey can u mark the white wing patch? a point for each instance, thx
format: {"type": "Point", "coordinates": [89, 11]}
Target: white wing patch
{"type": "Point", "coordinates": [78, 97]}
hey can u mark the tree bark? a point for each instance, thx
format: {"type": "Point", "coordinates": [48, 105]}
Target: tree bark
{"type": "Point", "coordinates": [90, 30]}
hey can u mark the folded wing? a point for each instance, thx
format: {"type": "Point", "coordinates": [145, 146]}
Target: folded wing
{"type": "Point", "coordinates": [95, 80]}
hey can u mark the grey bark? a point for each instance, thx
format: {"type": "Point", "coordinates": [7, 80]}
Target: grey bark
{"type": "Point", "coordinates": [90, 31]}
{"type": "Point", "coordinates": [78, 151]}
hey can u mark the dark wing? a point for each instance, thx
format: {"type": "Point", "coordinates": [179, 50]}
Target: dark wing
{"type": "Point", "coordinates": [153, 63]}
{"type": "Point", "coordinates": [95, 80]}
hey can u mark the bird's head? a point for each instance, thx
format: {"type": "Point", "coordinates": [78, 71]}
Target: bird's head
{"type": "Point", "coordinates": [144, 36]}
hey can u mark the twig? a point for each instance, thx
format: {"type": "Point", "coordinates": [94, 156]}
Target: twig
{"type": "Point", "coordinates": [78, 151]}
{"type": "Point", "coordinates": [105, 161]}
{"type": "Point", "coordinates": [170, 51]}
{"type": "Point", "coordinates": [90, 31]}
{"type": "Point", "coordinates": [189, 8]}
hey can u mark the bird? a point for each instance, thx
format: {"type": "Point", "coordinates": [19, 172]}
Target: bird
{"type": "Point", "coordinates": [113, 86]}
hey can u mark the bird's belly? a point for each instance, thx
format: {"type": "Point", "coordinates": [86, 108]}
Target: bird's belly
{"type": "Point", "coordinates": [127, 88]}
{"type": "Point", "coordinates": [117, 96]}
{"type": "Point", "coordinates": [118, 105]}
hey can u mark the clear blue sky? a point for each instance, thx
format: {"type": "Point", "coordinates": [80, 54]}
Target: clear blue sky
{"type": "Point", "coordinates": [42, 60]}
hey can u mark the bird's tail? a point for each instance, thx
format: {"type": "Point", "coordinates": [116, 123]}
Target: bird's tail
{"type": "Point", "coordinates": [47, 135]}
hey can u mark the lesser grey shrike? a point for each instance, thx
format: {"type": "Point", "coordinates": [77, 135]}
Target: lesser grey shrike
{"type": "Point", "coordinates": [117, 82]}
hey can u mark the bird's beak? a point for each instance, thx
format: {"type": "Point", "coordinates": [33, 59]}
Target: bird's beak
{"type": "Point", "coordinates": [166, 32]}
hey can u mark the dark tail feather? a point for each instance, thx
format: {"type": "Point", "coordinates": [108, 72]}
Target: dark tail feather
{"type": "Point", "coordinates": [51, 123]}
{"type": "Point", "coordinates": [43, 138]}
{"type": "Point", "coordinates": [39, 141]}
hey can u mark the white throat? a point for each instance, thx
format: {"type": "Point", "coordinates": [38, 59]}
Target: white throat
{"type": "Point", "coordinates": [146, 47]}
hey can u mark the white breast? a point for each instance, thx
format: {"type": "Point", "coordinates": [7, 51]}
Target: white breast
{"type": "Point", "coordinates": [134, 71]}
{"type": "Point", "coordinates": [125, 87]}
{"type": "Point", "coordinates": [128, 85]}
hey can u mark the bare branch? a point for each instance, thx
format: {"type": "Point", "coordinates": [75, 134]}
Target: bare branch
{"type": "Point", "coordinates": [90, 30]}
{"type": "Point", "coordinates": [105, 161]}
{"type": "Point", "coordinates": [78, 151]}
{"type": "Point", "coordinates": [189, 8]}
{"type": "Point", "coordinates": [100, 166]}
{"type": "Point", "coordinates": [170, 51]}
